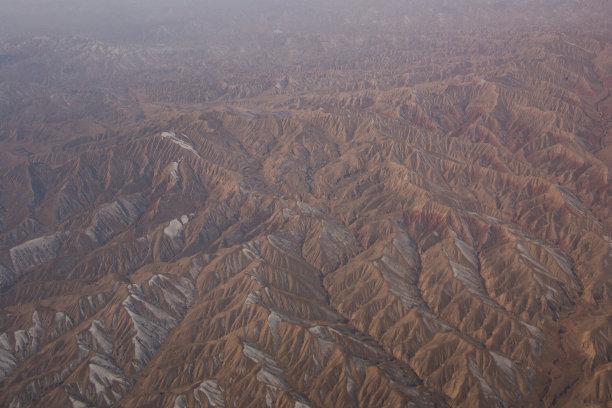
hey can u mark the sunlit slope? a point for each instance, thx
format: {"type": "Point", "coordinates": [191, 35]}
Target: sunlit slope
{"type": "Point", "coordinates": [443, 240]}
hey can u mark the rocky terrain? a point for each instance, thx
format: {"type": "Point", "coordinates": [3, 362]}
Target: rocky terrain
{"type": "Point", "coordinates": [417, 213]}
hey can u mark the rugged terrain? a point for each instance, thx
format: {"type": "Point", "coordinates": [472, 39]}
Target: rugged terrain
{"type": "Point", "coordinates": [418, 215]}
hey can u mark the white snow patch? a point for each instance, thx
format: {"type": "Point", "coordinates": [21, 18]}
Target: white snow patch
{"type": "Point", "coordinates": [536, 347]}
{"type": "Point", "coordinates": [506, 366]}
{"type": "Point", "coordinates": [551, 293]}
{"type": "Point", "coordinates": [537, 267]}
{"type": "Point", "coordinates": [288, 213]}
{"type": "Point", "coordinates": [534, 331]}
{"type": "Point", "coordinates": [407, 249]}
{"type": "Point", "coordinates": [468, 252]}
{"type": "Point", "coordinates": [319, 331]}
{"type": "Point", "coordinates": [402, 281]}
{"type": "Point", "coordinates": [150, 334]}
{"type": "Point", "coordinates": [106, 378]}
{"type": "Point", "coordinates": [254, 298]}
{"type": "Point", "coordinates": [100, 339]}
{"type": "Point", "coordinates": [7, 276]}
{"type": "Point", "coordinates": [252, 251]}
{"type": "Point", "coordinates": [351, 385]}
{"type": "Point", "coordinates": [214, 392]}
{"type": "Point", "coordinates": [326, 345]}
{"type": "Point", "coordinates": [486, 218]}
{"type": "Point", "coordinates": [36, 252]}
{"type": "Point", "coordinates": [285, 241]}
{"type": "Point", "coordinates": [187, 145]}
{"type": "Point", "coordinates": [270, 373]}
{"type": "Point", "coordinates": [560, 258]}
{"type": "Point", "coordinates": [429, 318]}
{"type": "Point", "coordinates": [8, 363]}
{"type": "Point", "coordinates": [333, 238]}
{"type": "Point", "coordinates": [256, 354]}
{"type": "Point", "coordinates": [195, 269]}
{"type": "Point", "coordinates": [24, 343]}
{"type": "Point", "coordinates": [181, 402]}
{"type": "Point", "coordinates": [579, 47]}
{"type": "Point", "coordinates": [174, 171]}
{"type": "Point", "coordinates": [35, 333]}
{"type": "Point", "coordinates": [570, 198]}
{"type": "Point", "coordinates": [5, 343]}
{"type": "Point", "coordinates": [21, 343]}
{"type": "Point", "coordinates": [609, 241]}
{"type": "Point", "coordinates": [272, 376]}
{"type": "Point", "coordinates": [470, 277]}
{"type": "Point", "coordinates": [152, 323]}
{"type": "Point", "coordinates": [270, 398]}
{"type": "Point", "coordinates": [184, 219]}
{"type": "Point", "coordinates": [254, 274]}
{"type": "Point", "coordinates": [78, 403]}
{"type": "Point", "coordinates": [274, 319]}
{"type": "Point", "coordinates": [484, 385]}
{"type": "Point", "coordinates": [178, 292]}
{"type": "Point", "coordinates": [113, 218]}
{"type": "Point", "coordinates": [467, 276]}
{"type": "Point", "coordinates": [308, 210]}
{"type": "Point", "coordinates": [174, 231]}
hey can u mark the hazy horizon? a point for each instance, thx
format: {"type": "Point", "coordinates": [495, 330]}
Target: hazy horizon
{"type": "Point", "coordinates": [134, 20]}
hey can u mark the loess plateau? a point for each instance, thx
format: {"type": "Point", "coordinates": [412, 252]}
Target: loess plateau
{"type": "Point", "coordinates": [330, 205]}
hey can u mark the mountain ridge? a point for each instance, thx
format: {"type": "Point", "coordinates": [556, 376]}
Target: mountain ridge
{"type": "Point", "coordinates": [431, 229]}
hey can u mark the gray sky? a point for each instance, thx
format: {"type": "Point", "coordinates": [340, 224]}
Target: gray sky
{"type": "Point", "coordinates": [139, 20]}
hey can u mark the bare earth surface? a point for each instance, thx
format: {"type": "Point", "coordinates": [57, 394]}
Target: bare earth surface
{"type": "Point", "coordinates": [289, 213]}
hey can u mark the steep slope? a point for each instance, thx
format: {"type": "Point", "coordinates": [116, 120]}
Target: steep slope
{"type": "Point", "coordinates": [428, 230]}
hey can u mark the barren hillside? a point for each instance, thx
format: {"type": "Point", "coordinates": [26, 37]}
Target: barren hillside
{"type": "Point", "coordinates": [417, 212]}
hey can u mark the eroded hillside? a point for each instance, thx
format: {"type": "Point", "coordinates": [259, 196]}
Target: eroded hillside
{"type": "Point", "coordinates": [430, 225]}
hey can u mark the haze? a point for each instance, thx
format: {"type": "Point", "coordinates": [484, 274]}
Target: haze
{"type": "Point", "coordinates": [305, 204]}
{"type": "Point", "coordinates": [184, 20]}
